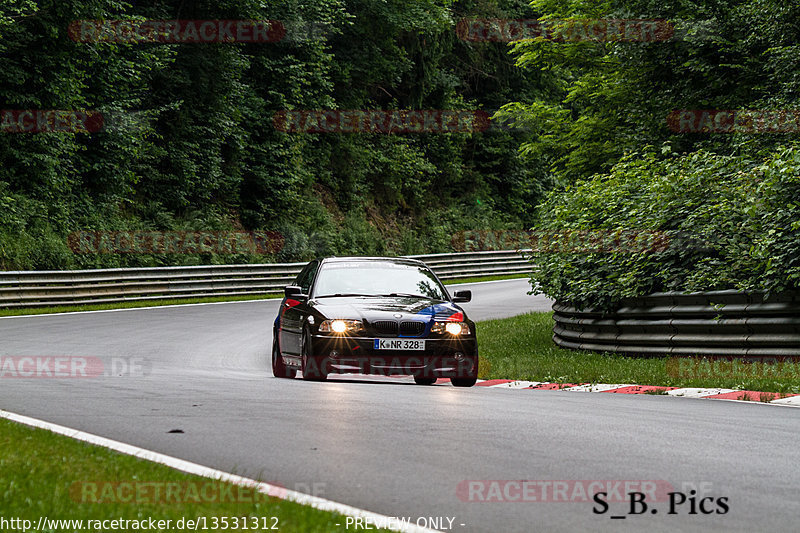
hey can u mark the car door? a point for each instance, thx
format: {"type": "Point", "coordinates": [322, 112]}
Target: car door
{"type": "Point", "coordinates": [295, 310]}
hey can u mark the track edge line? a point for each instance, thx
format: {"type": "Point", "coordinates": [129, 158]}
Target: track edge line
{"type": "Point", "coordinates": [189, 467]}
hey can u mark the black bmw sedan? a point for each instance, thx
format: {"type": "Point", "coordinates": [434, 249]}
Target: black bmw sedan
{"type": "Point", "coordinates": [373, 315]}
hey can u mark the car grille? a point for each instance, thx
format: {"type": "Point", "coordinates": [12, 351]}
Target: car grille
{"type": "Point", "coordinates": [390, 328]}
{"type": "Point", "coordinates": [412, 328]}
{"type": "Point", "coordinates": [385, 327]}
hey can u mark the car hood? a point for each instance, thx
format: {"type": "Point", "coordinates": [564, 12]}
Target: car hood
{"type": "Point", "coordinates": [379, 308]}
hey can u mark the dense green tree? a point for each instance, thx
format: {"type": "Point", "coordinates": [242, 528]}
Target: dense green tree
{"type": "Point", "coordinates": [190, 144]}
{"type": "Point", "coordinates": [728, 202]}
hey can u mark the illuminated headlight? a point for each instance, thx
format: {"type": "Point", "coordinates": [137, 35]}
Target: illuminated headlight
{"type": "Point", "coordinates": [340, 326]}
{"type": "Point", "coordinates": [453, 328]}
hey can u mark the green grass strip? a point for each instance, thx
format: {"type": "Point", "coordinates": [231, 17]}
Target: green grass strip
{"type": "Point", "coordinates": [43, 474]}
{"type": "Point", "coordinates": [133, 305]}
{"type": "Point", "coordinates": [522, 348]}
{"type": "Point", "coordinates": [478, 279]}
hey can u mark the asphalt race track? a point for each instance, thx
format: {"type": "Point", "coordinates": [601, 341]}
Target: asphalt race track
{"type": "Point", "coordinates": [398, 449]}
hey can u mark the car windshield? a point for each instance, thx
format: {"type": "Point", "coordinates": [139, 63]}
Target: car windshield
{"type": "Point", "coordinates": [360, 278]}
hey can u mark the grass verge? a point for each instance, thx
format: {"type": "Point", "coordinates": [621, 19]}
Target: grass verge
{"type": "Point", "coordinates": [48, 475]}
{"type": "Point", "coordinates": [132, 305]}
{"type": "Point", "coordinates": [522, 348]}
{"type": "Point", "coordinates": [478, 279]}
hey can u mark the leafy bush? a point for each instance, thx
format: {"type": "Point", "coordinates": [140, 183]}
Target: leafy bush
{"type": "Point", "coordinates": [729, 222]}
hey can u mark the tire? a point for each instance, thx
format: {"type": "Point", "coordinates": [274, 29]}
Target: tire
{"type": "Point", "coordinates": [279, 369]}
{"type": "Point", "coordinates": [470, 378]}
{"type": "Point", "coordinates": [312, 369]}
{"type": "Point", "coordinates": [463, 382]}
{"type": "Point", "coordinates": [419, 380]}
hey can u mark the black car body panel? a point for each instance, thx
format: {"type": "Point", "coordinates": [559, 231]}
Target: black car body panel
{"type": "Point", "coordinates": [395, 326]}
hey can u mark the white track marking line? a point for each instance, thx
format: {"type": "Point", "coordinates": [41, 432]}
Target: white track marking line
{"type": "Point", "coordinates": [693, 392]}
{"type": "Point", "coordinates": [515, 385]}
{"type": "Point", "coordinates": [792, 400]}
{"type": "Point", "coordinates": [149, 307]}
{"type": "Point", "coordinates": [204, 471]}
{"type": "Point", "coordinates": [596, 387]}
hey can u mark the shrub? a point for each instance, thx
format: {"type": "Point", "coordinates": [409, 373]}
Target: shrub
{"type": "Point", "coordinates": [732, 223]}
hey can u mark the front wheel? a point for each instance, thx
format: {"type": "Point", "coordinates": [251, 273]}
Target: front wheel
{"type": "Point", "coordinates": [279, 369]}
{"type": "Point", "coordinates": [419, 380]}
{"type": "Point", "coordinates": [468, 372]}
{"type": "Point", "coordinates": [311, 368]}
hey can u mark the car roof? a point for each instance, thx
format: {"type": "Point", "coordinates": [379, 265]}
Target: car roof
{"type": "Point", "coordinates": [395, 260]}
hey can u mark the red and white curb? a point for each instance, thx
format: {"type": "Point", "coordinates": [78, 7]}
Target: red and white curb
{"type": "Point", "coordinates": [773, 398]}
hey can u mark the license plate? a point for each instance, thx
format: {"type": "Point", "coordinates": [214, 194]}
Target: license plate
{"type": "Point", "coordinates": [399, 344]}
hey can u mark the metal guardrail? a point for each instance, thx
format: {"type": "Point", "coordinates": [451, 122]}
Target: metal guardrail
{"type": "Point", "coordinates": [77, 287]}
{"type": "Point", "coordinates": [718, 323]}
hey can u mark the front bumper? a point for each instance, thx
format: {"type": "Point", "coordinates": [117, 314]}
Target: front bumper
{"type": "Point", "coordinates": [442, 357]}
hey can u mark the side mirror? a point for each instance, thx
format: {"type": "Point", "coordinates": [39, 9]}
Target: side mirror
{"type": "Point", "coordinates": [292, 290]}
{"type": "Point", "coordinates": [462, 296]}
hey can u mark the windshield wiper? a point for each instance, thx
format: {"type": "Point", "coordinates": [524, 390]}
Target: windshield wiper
{"type": "Point", "coordinates": [409, 295]}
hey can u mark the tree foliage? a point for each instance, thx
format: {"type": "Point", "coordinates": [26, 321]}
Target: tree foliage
{"type": "Point", "coordinates": [190, 143]}
{"type": "Point", "coordinates": [692, 222]}
{"type": "Point", "coordinates": [727, 201]}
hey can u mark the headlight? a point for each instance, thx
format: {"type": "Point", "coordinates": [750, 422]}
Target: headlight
{"type": "Point", "coordinates": [453, 328]}
{"type": "Point", "coordinates": [340, 326]}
